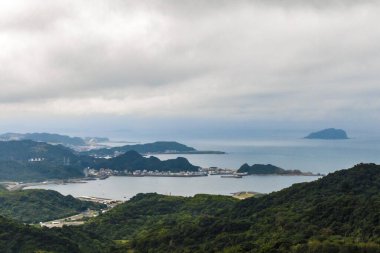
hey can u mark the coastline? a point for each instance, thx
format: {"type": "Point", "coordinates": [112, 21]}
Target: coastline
{"type": "Point", "coordinates": [14, 186]}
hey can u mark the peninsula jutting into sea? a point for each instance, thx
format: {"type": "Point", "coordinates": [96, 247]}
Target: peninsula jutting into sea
{"type": "Point", "coordinates": [27, 160]}
{"type": "Point", "coordinates": [100, 146]}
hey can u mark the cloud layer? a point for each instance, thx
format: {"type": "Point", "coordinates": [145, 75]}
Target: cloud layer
{"type": "Point", "coordinates": [303, 60]}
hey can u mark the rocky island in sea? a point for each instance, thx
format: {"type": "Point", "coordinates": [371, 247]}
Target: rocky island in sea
{"type": "Point", "coordinates": [329, 134]}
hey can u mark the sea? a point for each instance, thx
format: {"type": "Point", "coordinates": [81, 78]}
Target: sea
{"type": "Point", "coordinates": [317, 156]}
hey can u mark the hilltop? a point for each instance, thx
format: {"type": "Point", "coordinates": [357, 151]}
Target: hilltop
{"type": "Point", "coordinates": [132, 161]}
{"type": "Point", "coordinates": [328, 134]}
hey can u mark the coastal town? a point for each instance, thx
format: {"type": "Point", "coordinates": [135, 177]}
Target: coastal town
{"type": "Point", "coordinates": [202, 172]}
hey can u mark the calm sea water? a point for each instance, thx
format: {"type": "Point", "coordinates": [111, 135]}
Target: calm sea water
{"type": "Point", "coordinates": [321, 156]}
{"type": "Point", "coordinates": [307, 155]}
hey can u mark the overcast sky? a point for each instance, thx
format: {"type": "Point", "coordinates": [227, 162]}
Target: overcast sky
{"type": "Point", "coordinates": [215, 61]}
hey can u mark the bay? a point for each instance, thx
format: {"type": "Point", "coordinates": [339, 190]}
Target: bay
{"type": "Point", "coordinates": [123, 188]}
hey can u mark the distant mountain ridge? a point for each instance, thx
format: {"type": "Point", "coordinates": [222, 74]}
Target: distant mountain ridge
{"type": "Point", "coordinates": [158, 147]}
{"type": "Point", "coordinates": [44, 137]}
{"type": "Point", "coordinates": [97, 146]}
{"type": "Point", "coordinates": [328, 134]}
{"type": "Point", "coordinates": [53, 139]}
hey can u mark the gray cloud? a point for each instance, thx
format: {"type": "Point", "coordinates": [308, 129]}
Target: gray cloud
{"type": "Point", "coordinates": [220, 59]}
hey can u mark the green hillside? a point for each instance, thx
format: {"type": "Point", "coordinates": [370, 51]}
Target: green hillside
{"type": "Point", "coordinates": [19, 238]}
{"type": "Point", "coordinates": [338, 213]}
{"type": "Point", "coordinates": [150, 213]}
{"type": "Point", "coordinates": [33, 206]}
{"type": "Point", "coordinates": [28, 160]}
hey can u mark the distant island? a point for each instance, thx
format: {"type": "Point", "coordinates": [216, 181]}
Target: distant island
{"type": "Point", "coordinates": [158, 147]}
{"type": "Point", "coordinates": [269, 169]}
{"type": "Point", "coordinates": [328, 134]}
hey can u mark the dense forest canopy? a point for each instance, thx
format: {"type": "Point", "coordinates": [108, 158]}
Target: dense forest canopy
{"type": "Point", "coordinates": [33, 206]}
{"type": "Point", "coordinates": [339, 211]}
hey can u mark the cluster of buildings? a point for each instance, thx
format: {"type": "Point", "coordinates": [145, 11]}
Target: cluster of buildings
{"type": "Point", "coordinates": [104, 173]}
{"type": "Point", "coordinates": [36, 159]}
{"type": "Point", "coordinates": [218, 171]}
{"type": "Point", "coordinates": [146, 173]}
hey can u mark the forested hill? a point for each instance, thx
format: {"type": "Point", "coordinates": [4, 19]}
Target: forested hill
{"type": "Point", "coordinates": [28, 160]}
{"type": "Point", "coordinates": [34, 206]}
{"type": "Point", "coordinates": [268, 169]}
{"type": "Point", "coordinates": [18, 238]}
{"type": "Point", "coordinates": [37, 161]}
{"type": "Point", "coordinates": [132, 161]}
{"type": "Point", "coordinates": [338, 213]}
{"type": "Point", "coordinates": [27, 149]}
